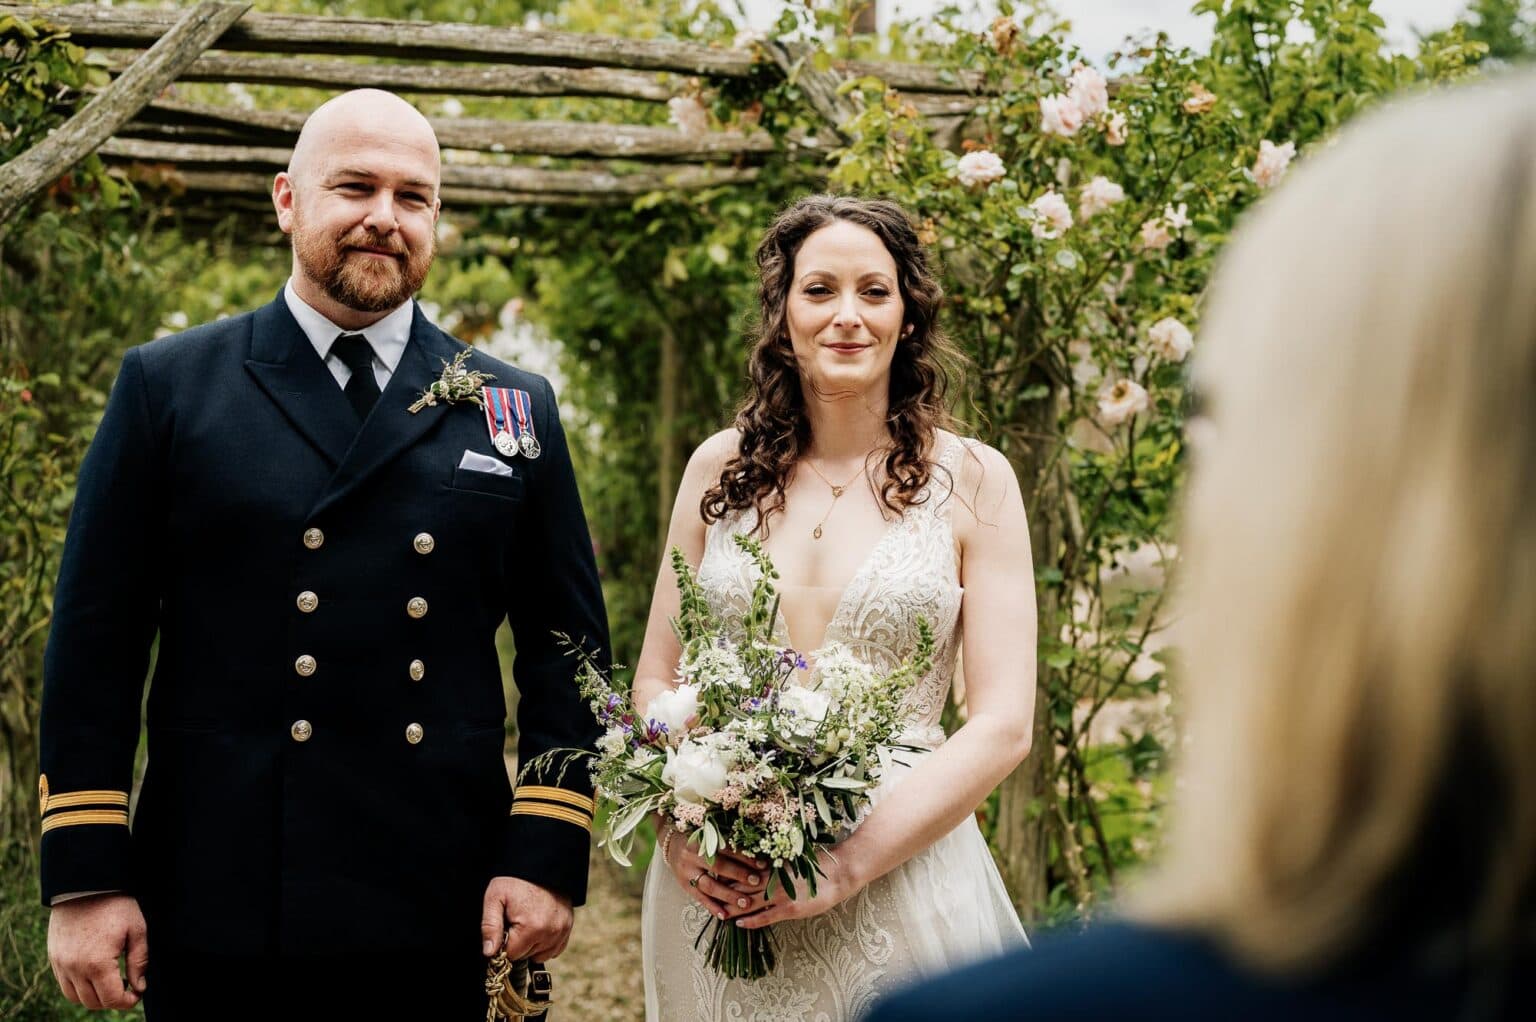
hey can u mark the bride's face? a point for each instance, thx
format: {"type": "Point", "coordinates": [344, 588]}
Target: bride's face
{"type": "Point", "coordinates": [844, 311]}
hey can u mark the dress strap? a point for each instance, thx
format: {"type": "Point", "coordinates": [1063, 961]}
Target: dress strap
{"type": "Point", "coordinates": [945, 477]}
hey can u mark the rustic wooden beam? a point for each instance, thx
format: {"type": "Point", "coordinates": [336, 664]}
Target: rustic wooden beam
{"type": "Point", "coordinates": [418, 40]}
{"type": "Point", "coordinates": [196, 122]}
{"type": "Point", "coordinates": [246, 183]}
{"type": "Point", "coordinates": [111, 108]}
{"type": "Point", "coordinates": [456, 175]}
{"type": "Point", "coordinates": [430, 78]}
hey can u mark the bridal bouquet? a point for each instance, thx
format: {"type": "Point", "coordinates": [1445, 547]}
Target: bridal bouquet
{"type": "Point", "coordinates": [741, 756]}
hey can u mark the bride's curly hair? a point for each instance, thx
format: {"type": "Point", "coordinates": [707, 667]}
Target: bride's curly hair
{"type": "Point", "coordinates": [775, 430]}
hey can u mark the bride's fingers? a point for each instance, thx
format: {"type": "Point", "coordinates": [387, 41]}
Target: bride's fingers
{"type": "Point", "coordinates": [721, 894]}
{"type": "Point", "coordinates": [734, 871]}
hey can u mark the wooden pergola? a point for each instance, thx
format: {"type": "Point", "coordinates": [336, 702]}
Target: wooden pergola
{"type": "Point", "coordinates": [226, 155]}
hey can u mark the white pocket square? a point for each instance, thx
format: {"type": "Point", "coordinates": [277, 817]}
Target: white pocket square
{"type": "Point", "coordinates": [485, 463]}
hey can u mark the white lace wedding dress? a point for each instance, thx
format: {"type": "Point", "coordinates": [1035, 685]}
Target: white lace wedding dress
{"type": "Point", "coordinates": [943, 907]}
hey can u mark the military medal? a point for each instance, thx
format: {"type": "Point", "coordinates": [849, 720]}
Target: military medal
{"type": "Point", "coordinates": [498, 421]}
{"type": "Point", "coordinates": [526, 441]}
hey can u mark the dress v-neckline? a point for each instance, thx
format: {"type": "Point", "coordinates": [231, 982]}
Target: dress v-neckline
{"type": "Point", "coordinates": [781, 623]}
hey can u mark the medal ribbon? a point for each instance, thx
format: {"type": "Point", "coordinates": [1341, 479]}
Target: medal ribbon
{"type": "Point", "coordinates": [524, 406]}
{"type": "Point", "coordinates": [495, 410]}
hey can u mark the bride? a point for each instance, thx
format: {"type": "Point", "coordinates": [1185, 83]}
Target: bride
{"type": "Point", "coordinates": [874, 516]}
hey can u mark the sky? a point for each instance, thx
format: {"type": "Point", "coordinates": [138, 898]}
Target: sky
{"type": "Point", "coordinates": [1099, 26]}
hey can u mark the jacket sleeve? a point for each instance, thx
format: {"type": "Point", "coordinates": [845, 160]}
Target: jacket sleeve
{"type": "Point", "coordinates": [106, 610]}
{"type": "Point", "coordinates": [553, 590]}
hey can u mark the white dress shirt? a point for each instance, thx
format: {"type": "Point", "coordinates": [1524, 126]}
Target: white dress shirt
{"type": "Point", "coordinates": [387, 337]}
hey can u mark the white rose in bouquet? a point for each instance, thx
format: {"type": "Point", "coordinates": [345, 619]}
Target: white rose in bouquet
{"type": "Point", "coordinates": [808, 705]}
{"type": "Point", "coordinates": [697, 769]}
{"type": "Point", "coordinates": [674, 709]}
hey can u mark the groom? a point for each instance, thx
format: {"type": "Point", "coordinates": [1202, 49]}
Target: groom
{"type": "Point", "coordinates": [325, 819]}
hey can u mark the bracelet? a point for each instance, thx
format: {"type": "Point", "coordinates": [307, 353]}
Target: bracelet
{"type": "Point", "coordinates": [666, 846]}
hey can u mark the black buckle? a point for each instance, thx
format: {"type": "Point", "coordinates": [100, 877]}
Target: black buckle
{"type": "Point", "coordinates": [540, 984]}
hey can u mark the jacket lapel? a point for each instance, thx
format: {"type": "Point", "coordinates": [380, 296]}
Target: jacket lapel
{"type": "Point", "coordinates": [285, 365]}
{"type": "Point", "coordinates": [390, 427]}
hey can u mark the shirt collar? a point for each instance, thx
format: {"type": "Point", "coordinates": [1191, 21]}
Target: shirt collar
{"type": "Point", "coordinates": [387, 337]}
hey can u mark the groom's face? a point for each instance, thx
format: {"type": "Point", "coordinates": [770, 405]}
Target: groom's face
{"type": "Point", "coordinates": [364, 214]}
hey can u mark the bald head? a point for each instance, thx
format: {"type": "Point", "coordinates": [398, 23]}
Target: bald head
{"type": "Point", "coordinates": [361, 120]}
{"type": "Point", "coordinates": [360, 201]}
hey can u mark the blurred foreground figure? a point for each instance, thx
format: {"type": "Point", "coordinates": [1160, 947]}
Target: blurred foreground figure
{"type": "Point", "coordinates": [1356, 835]}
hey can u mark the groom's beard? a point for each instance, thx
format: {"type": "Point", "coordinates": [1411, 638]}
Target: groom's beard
{"type": "Point", "coordinates": [357, 281]}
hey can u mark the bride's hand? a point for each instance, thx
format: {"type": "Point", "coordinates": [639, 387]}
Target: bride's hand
{"type": "Point", "coordinates": [730, 883]}
{"type": "Point", "coordinates": [839, 883]}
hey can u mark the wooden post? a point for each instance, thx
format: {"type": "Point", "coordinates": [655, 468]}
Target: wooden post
{"type": "Point", "coordinates": [866, 19]}
{"type": "Point", "coordinates": [818, 87]}
{"type": "Point", "coordinates": [666, 432]}
{"type": "Point", "coordinates": [114, 106]}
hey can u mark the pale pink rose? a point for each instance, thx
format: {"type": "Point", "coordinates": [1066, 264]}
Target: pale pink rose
{"type": "Point", "coordinates": [1098, 195]}
{"type": "Point", "coordinates": [1119, 403]}
{"type": "Point", "coordinates": [981, 167]}
{"type": "Point", "coordinates": [689, 114]}
{"type": "Point", "coordinates": [1053, 215]}
{"type": "Point", "coordinates": [1115, 128]}
{"type": "Point", "coordinates": [1272, 162]}
{"type": "Point", "coordinates": [1155, 235]}
{"type": "Point", "coordinates": [1171, 339]}
{"type": "Point", "coordinates": [1060, 115]}
{"type": "Point", "coordinates": [1088, 92]}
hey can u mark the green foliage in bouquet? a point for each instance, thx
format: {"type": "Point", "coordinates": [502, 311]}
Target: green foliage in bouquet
{"type": "Point", "coordinates": [741, 756]}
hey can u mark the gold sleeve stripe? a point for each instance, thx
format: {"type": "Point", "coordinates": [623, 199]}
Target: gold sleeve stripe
{"type": "Point", "coordinates": [553, 812]}
{"type": "Point", "coordinates": [83, 816]}
{"type": "Point", "coordinates": [570, 798]}
{"type": "Point", "coordinates": [87, 798]}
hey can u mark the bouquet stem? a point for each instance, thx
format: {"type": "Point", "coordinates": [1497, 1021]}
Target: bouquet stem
{"type": "Point", "coordinates": [738, 953]}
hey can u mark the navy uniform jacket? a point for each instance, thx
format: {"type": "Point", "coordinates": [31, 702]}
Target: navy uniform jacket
{"type": "Point", "coordinates": [326, 716]}
{"type": "Point", "coordinates": [1118, 971]}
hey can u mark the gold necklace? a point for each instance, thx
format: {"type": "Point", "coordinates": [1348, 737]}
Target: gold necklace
{"type": "Point", "coordinates": [837, 491]}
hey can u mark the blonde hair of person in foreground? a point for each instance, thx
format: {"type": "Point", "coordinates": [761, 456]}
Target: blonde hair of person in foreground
{"type": "Point", "coordinates": [1361, 553]}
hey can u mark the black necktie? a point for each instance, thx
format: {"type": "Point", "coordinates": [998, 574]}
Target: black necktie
{"type": "Point", "coordinates": [362, 389]}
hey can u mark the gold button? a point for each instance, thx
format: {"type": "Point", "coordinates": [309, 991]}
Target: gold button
{"type": "Point", "coordinates": [417, 607]}
{"type": "Point", "coordinates": [424, 542]}
{"type": "Point", "coordinates": [305, 665]}
{"type": "Point", "coordinates": [308, 601]}
{"type": "Point", "coordinates": [301, 730]}
{"type": "Point", "coordinates": [414, 733]}
{"type": "Point", "coordinates": [313, 538]}
{"type": "Point", "coordinates": [418, 670]}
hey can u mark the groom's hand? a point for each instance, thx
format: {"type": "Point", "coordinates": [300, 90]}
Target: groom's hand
{"type": "Point", "coordinates": [85, 938]}
{"type": "Point", "coordinates": [524, 919]}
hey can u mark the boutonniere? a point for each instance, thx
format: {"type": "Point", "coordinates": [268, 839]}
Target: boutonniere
{"type": "Point", "coordinates": [456, 384]}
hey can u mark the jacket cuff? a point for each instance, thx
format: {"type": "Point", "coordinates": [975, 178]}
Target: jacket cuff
{"type": "Point", "coordinates": [548, 839]}
{"type": "Point", "coordinates": [81, 854]}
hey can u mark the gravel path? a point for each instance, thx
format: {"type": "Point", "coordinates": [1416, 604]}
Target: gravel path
{"type": "Point", "coordinates": [598, 977]}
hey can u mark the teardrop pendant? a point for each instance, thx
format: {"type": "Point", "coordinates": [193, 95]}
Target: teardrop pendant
{"type": "Point", "coordinates": [817, 533]}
